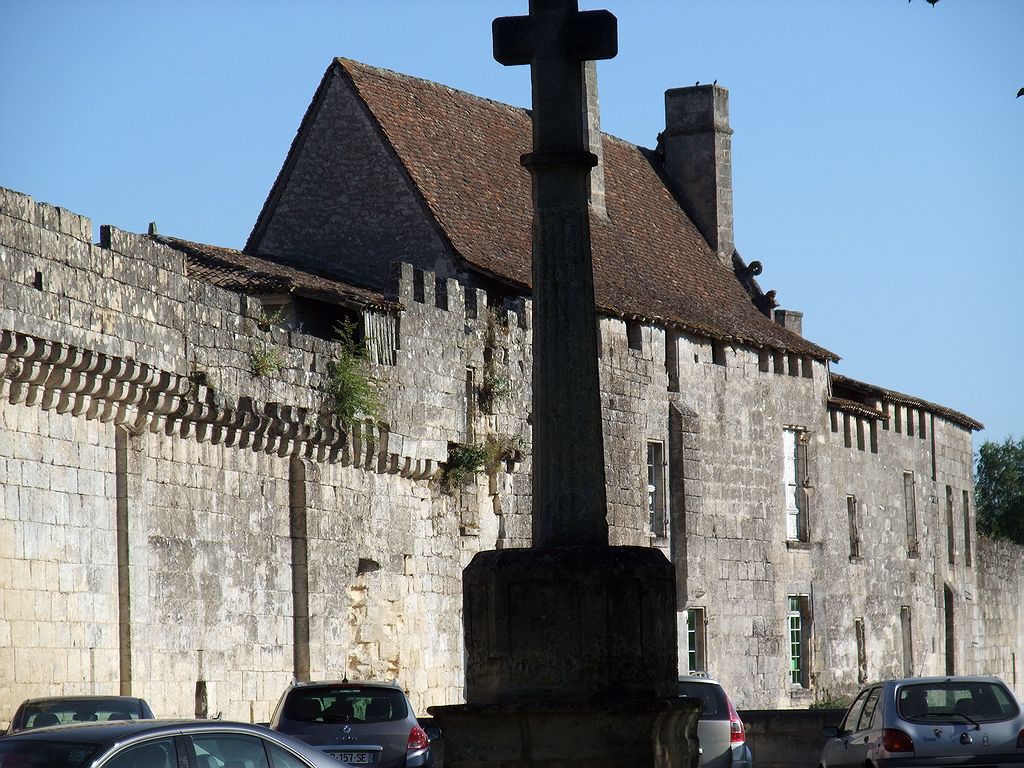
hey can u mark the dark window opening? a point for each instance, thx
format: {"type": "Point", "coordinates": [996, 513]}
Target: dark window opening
{"type": "Point", "coordinates": [37, 281]}
{"type": "Point", "coordinates": [862, 652]}
{"type": "Point", "coordinates": [910, 506]}
{"type": "Point", "coordinates": [718, 353]}
{"type": "Point", "coordinates": [854, 525]}
{"type": "Point", "coordinates": [967, 529]}
{"type": "Point", "coordinates": [696, 639]}
{"type": "Point", "coordinates": [950, 530]}
{"type": "Point", "coordinates": [418, 292]}
{"type": "Point", "coordinates": [635, 335]}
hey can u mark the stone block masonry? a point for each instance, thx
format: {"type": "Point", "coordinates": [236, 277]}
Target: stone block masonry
{"type": "Point", "coordinates": [157, 494]}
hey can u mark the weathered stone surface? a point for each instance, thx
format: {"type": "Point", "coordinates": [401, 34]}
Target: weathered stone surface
{"type": "Point", "coordinates": [208, 520]}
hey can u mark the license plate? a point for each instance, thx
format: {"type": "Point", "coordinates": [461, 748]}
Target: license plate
{"type": "Point", "coordinates": [353, 758]}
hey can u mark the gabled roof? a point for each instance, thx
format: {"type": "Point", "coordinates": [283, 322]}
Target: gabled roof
{"type": "Point", "coordinates": [461, 153]}
{"type": "Point", "coordinates": [845, 389]}
{"type": "Point", "coordinates": [243, 273]}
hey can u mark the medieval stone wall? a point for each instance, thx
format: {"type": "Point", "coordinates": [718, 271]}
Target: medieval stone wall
{"type": "Point", "coordinates": [170, 517]}
{"type": "Point", "coordinates": [150, 485]}
{"type": "Point", "coordinates": [999, 612]}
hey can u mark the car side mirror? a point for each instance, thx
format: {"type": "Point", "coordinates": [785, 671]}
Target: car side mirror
{"type": "Point", "coordinates": [831, 732]}
{"type": "Point", "coordinates": [432, 731]}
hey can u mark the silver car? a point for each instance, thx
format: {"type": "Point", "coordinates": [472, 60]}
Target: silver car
{"type": "Point", "coordinates": [355, 722]}
{"type": "Point", "coordinates": [157, 744]}
{"type": "Point", "coordinates": [720, 732]}
{"type": "Point", "coordinates": [929, 721]}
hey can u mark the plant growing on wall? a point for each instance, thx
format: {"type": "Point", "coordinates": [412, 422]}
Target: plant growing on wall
{"type": "Point", "coordinates": [464, 462]}
{"type": "Point", "coordinates": [467, 460]}
{"type": "Point", "coordinates": [350, 388]}
{"type": "Point", "coordinates": [266, 359]}
{"type": "Point", "coordinates": [499, 449]}
{"type": "Point", "coordinates": [495, 384]}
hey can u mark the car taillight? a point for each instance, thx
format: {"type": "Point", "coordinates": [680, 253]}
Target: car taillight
{"type": "Point", "coordinates": [736, 733]}
{"type": "Point", "coordinates": [417, 739]}
{"type": "Point", "coordinates": [894, 740]}
{"type": "Point", "coordinates": [1020, 739]}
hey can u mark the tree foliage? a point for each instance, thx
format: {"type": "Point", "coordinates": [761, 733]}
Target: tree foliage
{"type": "Point", "coordinates": [999, 489]}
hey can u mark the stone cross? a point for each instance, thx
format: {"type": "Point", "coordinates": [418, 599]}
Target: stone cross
{"type": "Point", "coordinates": [569, 504]}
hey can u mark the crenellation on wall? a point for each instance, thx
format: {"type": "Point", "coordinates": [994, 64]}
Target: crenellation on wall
{"type": "Point", "coordinates": [119, 340]}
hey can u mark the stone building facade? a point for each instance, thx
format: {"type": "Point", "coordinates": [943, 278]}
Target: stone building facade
{"type": "Point", "coordinates": [184, 517]}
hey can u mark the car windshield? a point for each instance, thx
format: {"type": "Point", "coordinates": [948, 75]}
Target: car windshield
{"type": "Point", "coordinates": [39, 714]}
{"type": "Point", "coordinates": [955, 701]}
{"type": "Point", "coordinates": [345, 704]}
{"type": "Point", "coordinates": [44, 754]}
{"type": "Point", "coordinates": [711, 696]}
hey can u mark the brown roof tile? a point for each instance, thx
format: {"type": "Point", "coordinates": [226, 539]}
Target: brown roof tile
{"type": "Point", "coordinates": [244, 273]}
{"type": "Point", "coordinates": [849, 388]}
{"type": "Point", "coordinates": [462, 152]}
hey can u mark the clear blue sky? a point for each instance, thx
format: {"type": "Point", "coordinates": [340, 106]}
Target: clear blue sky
{"type": "Point", "coordinates": [878, 159]}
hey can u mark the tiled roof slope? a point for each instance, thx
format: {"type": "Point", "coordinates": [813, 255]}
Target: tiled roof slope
{"type": "Point", "coordinates": [847, 387]}
{"type": "Point", "coordinates": [462, 153]}
{"type": "Point", "coordinates": [243, 273]}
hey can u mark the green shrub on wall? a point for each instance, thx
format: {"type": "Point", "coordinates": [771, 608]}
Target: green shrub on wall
{"type": "Point", "coordinates": [350, 388]}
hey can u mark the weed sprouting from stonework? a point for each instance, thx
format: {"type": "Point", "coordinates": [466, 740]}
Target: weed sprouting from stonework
{"type": "Point", "coordinates": [500, 449]}
{"type": "Point", "coordinates": [266, 360]}
{"type": "Point", "coordinates": [464, 462]}
{"type": "Point", "coordinates": [350, 388]}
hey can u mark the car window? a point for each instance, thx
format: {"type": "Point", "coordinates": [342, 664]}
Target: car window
{"type": "Point", "coordinates": [157, 753]}
{"type": "Point", "coordinates": [850, 721]}
{"type": "Point", "coordinates": [869, 709]}
{"type": "Point", "coordinates": [229, 750]}
{"type": "Point", "coordinates": [345, 704]}
{"type": "Point", "coordinates": [711, 696]}
{"type": "Point", "coordinates": [68, 710]}
{"type": "Point", "coordinates": [42, 754]}
{"type": "Point", "coordinates": [956, 701]}
{"type": "Point", "coordinates": [282, 758]}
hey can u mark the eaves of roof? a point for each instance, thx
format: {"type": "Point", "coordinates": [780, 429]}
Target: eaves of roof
{"type": "Point", "coordinates": [892, 396]}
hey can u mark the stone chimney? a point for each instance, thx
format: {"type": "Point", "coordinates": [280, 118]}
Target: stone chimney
{"type": "Point", "coordinates": [697, 144]}
{"type": "Point", "coordinates": [791, 320]}
{"type": "Point", "coordinates": [595, 189]}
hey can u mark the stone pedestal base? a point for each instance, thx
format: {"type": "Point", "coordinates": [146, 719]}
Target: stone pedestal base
{"type": "Point", "coordinates": [578, 623]}
{"type": "Point", "coordinates": [647, 733]}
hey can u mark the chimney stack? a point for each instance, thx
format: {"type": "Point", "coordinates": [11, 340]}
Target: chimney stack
{"type": "Point", "coordinates": [791, 320]}
{"type": "Point", "coordinates": [697, 145]}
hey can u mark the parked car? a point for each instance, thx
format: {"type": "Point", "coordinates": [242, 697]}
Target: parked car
{"type": "Point", "coordinates": [723, 740]}
{"type": "Point", "coordinates": [57, 710]}
{"type": "Point", "coordinates": [946, 721]}
{"type": "Point", "coordinates": [157, 744]}
{"type": "Point", "coordinates": [358, 723]}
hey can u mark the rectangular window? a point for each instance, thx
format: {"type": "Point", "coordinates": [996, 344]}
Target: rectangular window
{"type": "Point", "coordinates": [950, 533]}
{"type": "Point", "coordinates": [851, 513]}
{"type": "Point", "coordinates": [908, 642]}
{"type": "Point", "coordinates": [910, 505]}
{"type": "Point", "coordinates": [672, 358]}
{"type": "Point", "coordinates": [799, 627]}
{"type": "Point", "coordinates": [634, 335]}
{"type": "Point", "coordinates": [862, 651]}
{"type": "Point", "coordinates": [794, 443]}
{"type": "Point", "coordinates": [967, 529]}
{"type": "Point", "coordinates": [897, 413]}
{"type": "Point", "coordinates": [696, 625]}
{"type": "Point", "coordinates": [657, 519]}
